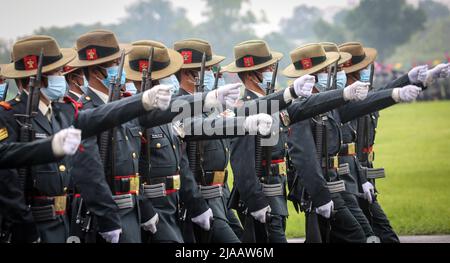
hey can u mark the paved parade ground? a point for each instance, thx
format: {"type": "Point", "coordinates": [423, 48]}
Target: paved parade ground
{"type": "Point", "coordinates": [413, 144]}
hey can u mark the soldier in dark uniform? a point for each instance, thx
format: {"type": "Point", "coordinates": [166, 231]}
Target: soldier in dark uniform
{"type": "Point", "coordinates": [168, 161]}
{"type": "Point", "coordinates": [98, 69]}
{"type": "Point", "coordinates": [47, 193]}
{"type": "Point", "coordinates": [265, 193]}
{"type": "Point", "coordinates": [359, 134]}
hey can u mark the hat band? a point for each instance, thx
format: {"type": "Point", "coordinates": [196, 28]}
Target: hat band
{"type": "Point", "coordinates": [93, 52]}
{"type": "Point", "coordinates": [250, 61]}
{"type": "Point", "coordinates": [308, 63]}
{"type": "Point", "coordinates": [355, 60]}
{"type": "Point", "coordinates": [192, 56]}
{"type": "Point", "coordinates": [31, 62]}
{"type": "Point", "coordinates": [141, 64]}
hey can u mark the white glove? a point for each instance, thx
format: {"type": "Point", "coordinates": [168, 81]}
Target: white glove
{"type": "Point", "coordinates": [112, 236]}
{"type": "Point", "coordinates": [418, 74]}
{"type": "Point", "coordinates": [157, 97]}
{"type": "Point", "coordinates": [150, 225]}
{"type": "Point", "coordinates": [229, 94]}
{"type": "Point", "coordinates": [440, 71]}
{"type": "Point", "coordinates": [66, 142]}
{"type": "Point", "coordinates": [304, 85]}
{"type": "Point", "coordinates": [406, 94]}
{"type": "Point", "coordinates": [260, 215]}
{"type": "Point", "coordinates": [261, 123]}
{"type": "Point", "coordinates": [357, 91]}
{"type": "Point", "coordinates": [325, 210]}
{"type": "Point", "coordinates": [203, 220]}
{"type": "Point", "coordinates": [369, 191]}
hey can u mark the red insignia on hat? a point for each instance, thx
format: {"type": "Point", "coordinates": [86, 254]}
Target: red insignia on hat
{"type": "Point", "coordinates": [306, 63]}
{"type": "Point", "coordinates": [67, 68]}
{"type": "Point", "coordinates": [143, 64]}
{"type": "Point", "coordinates": [91, 54]}
{"type": "Point", "coordinates": [187, 56]}
{"type": "Point", "coordinates": [248, 62]}
{"type": "Point", "coordinates": [30, 62]}
{"type": "Point", "coordinates": [348, 64]}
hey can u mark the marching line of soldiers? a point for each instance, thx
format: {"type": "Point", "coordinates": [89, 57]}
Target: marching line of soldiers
{"type": "Point", "coordinates": [106, 142]}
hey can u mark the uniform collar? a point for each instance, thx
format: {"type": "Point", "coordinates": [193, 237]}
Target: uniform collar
{"type": "Point", "coordinates": [104, 97]}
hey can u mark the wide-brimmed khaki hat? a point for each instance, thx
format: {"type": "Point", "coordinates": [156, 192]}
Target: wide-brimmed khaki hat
{"type": "Point", "coordinates": [98, 47]}
{"type": "Point", "coordinates": [166, 61]}
{"type": "Point", "coordinates": [361, 56]}
{"type": "Point", "coordinates": [252, 55]}
{"type": "Point", "coordinates": [332, 47]}
{"type": "Point", "coordinates": [309, 59]}
{"type": "Point", "coordinates": [26, 56]}
{"type": "Point", "coordinates": [192, 52]}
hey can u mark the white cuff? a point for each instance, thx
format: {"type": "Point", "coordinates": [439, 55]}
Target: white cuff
{"type": "Point", "coordinates": [287, 96]}
{"type": "Point", "coordinates": [211, 100]}
{"type": "Point", "coordinates": [58, 150]}
{"type": "Point", "coordinates": [396, 95]}
{"type": "Point", "coordinates": [146, 102]}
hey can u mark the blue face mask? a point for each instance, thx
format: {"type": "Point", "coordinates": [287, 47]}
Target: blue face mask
{"type": "Point", "coordinates": [364, 75]}
{"type": "Point", "coordinates": [56, 89]}
{"type": "Point", "coordinates": [209, 80]}
{"type": "Point", "coordinates": [322, 80]}
{"type": "Point", "coordinates": [221, 82]}
{"type": "Point", "coordinates": [341, 80]}
{"type": "Point", "coordinates": [84, 87]}
{"type": "Point", "coordinates": [113, 72]}
{"type": "Point", "coordinates": [171, 81]}
{"type": "Point", "coordinates": [129, 86]}
{"type": "Point", "coordinates": [267, 78]}
{"type": "Point", "coordinates": [2, 90]}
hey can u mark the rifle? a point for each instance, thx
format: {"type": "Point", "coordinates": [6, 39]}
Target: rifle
{"type": "Point", "coordinates": [27, 133]}
{"type": "Point", "coordinates": [195, 156]}
{"type": "Point", "coordinates": [5, 92]}
{"type": "Point", "coordinates": [216, 79]}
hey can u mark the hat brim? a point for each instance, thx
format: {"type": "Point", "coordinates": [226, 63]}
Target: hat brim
{"type": "Point", "coordinates": [291, 72]}
{"type": "Point", "coordinates": [215, 59]}
{"type": "Point", "coordinates": [77, 63]}
{"type": "Point", "coordinates": [344, 57]}
{"type": "Point", "coordinates": [371, 56]}
{"type": "Point", "coordinates": [8, 71]}
{"type": "Point", "coordinates": [176, 61]}
{"type": "Point", "coordinates": [232, 68]}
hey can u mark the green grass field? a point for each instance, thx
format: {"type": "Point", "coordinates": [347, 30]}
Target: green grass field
{"type": "Point", "coordinates": [413, 145]}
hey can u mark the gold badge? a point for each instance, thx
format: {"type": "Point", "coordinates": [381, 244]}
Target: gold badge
{"type": "Point", "coordinates": [176, 182]}
{"type": "Point", "coordinates": [3, 134]}
{"type": "Point", "coordinates": [335, 161]}
{"type": "Point", "coordinates": [134, 184]}
{"type": "Point", "coordinates": [351, 149]}
{"type": "Point", "coordinates": [60, 203]}
{"type": "Point", "coordinates": [282, 169]}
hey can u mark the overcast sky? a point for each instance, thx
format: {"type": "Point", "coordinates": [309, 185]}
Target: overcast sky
{"type": "Point", "coordinates": [21, 17]}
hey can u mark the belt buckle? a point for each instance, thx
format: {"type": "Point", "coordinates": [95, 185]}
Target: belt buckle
{"type": "Point", "coordinates": [351, 149]}
{"type": "Point", "coordinates": [134, 184]}
{"type": "Point", "coordinates": [176, 182]}
{"type": "Point", "coordinates": [60, 203]}
{"type": "Point", "coordinates": [335, 162]}
{"type": "Point", "coordinates": [219, 177]}
{"type": "Point", "coordinates": [282, 170]}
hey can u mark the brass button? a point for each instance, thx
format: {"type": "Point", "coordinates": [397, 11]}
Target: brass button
{"type": "Point", "coordinates": [140, 133]}
{"type": "Point", "coordinates": [88, 98]}
{"type": "Point", "coordinates": [17, 99]}
{"type": "Point", "coordinates": [226, 149]}
{"type": "Point", "coordinates": [65, 189]}
{"type": "Point", "coordinates": [281, 129]}
{"type": "Point", "coordinates": [248, 97]}
{"type": "Point", "coordinates": [62, 168]}
{"type": "Point", "coordinates": [134, 155]}
{"type": "Point", "coordinates": [126, 138]}
{"type": "Point", "coordinates": [158, 145]}
{"type": "Point", "coordinates": [285, 145]}
{"type": "Point", "coordinates": [174, 147]}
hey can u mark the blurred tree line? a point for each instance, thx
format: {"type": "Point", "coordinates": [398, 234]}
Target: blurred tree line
{"type": "Point", "coordinates": [397, 29]}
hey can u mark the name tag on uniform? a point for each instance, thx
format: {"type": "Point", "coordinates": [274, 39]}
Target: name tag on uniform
{"type": "Point", "coordinates": [40, 135]}
{"type": "Point", "coordinates": [157, 136]}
